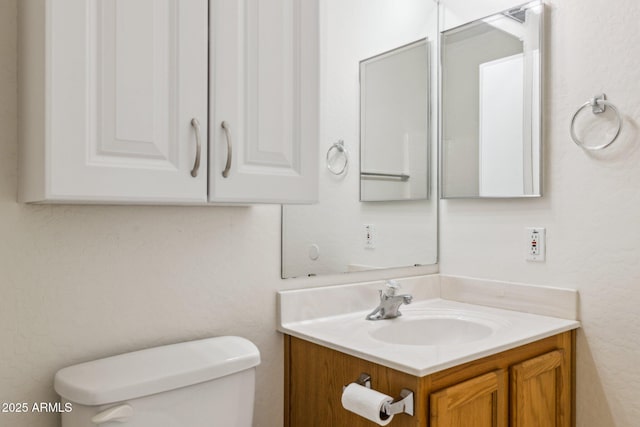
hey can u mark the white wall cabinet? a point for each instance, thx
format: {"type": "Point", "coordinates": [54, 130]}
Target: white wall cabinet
{"type": "Point", "coordinates": [109, 90]}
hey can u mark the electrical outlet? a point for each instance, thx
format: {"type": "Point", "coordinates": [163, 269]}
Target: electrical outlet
{"type": "Point", "coordinates": [535, 244]}
{"type": "Point", "coordinates": [369, 234]}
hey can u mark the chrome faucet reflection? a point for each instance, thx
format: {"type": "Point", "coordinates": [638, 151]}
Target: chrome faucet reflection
{"type": "Point", "coordinates": [389, 303]}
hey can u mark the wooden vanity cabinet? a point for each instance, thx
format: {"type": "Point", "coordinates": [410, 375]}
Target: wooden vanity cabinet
{"type": "Point", "coordinates": [529, 386]}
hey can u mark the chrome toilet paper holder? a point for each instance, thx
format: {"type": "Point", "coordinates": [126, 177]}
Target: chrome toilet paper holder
{"type": "Point", "coordinates": [401, 405]}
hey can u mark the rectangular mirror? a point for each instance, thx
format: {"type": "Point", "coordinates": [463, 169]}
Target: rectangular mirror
{"type": "Point", "coordinates": [341, 233]}
{"type": "Point", "coordinates": [393, 124]}
{"type": "Point", "coordinates": [491, 106]}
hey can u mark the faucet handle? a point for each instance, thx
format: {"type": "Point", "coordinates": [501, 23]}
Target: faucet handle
{"type": "Point", "coordinates": [392, 287]}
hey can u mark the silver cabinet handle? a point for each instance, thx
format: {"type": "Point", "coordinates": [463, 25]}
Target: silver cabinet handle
{"type": "Point", "coordinates": [227, 167]}
{"type": "Point", "coordinates": [196, 165]}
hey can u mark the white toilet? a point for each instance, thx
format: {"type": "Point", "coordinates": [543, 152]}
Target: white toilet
{"type": "Point", "coordinates": [205, 383]}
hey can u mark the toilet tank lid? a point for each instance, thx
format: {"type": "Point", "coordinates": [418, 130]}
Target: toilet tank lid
{"type": "Point", "coordinates": [154, 370]}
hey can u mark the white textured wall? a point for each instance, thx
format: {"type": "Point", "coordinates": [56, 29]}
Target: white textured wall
{"type": "Point", "coordinates": [82, 282]}
{"type": "Point", "coordinates": [591, 207]}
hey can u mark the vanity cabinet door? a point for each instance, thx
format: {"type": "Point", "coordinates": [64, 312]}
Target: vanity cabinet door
{"type": "Point", "coordinates": [109, 90]}
{"type": "Point", "coordinates": [541, 392]}
{"type": "Point", "coordinates": [481, 402]}
{"type": "Point", "coordinates": [315, 376]}
{"type": "Point", "coordinates": [264, 63]}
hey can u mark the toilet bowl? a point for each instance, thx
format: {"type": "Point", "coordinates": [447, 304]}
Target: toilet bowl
{"type": "Point", "coordinates": [204, 383]}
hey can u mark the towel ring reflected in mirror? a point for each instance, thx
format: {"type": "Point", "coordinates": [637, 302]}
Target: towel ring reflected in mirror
{"type": "Point", "coordinates": [598, 105]}
{"type": "Point", "coordinates": [336, 152]}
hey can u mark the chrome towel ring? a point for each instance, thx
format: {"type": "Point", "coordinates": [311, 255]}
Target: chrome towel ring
{"type": "Point", "coordinates": [598, 105]}
{"type": "Point", "coordinates": [340, 150]}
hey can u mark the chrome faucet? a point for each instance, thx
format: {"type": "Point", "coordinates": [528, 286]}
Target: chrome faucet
{"type": "Point", "coordinates": [389, 303]}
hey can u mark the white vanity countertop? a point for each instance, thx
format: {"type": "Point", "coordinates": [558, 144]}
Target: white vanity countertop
{"type": "Point", "coordinates": [351, 334]}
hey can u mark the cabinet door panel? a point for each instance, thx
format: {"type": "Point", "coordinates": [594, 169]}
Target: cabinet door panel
{"type": "Point", "coordinates": [540, 392]}
{"type": "Point", "coordinates": [126, 77]}
{"type": "Point", "coordinates": [482, 399]}
{"type": "Point", "coordinates": [264, 62]}
{"type": "Point", "coordinates": [315, 376]}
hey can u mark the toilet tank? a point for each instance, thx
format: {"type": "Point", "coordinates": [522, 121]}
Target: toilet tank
{"type": "Point", "coordinates": [204, 383]}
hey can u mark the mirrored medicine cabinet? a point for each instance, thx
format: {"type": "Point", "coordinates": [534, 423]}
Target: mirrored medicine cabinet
{"type": "Point", "coordinates": [394, 123]}
{"type": "Point", "coordinates": [491, 82]}
{"type": "Point", "coordinates": [377, 204]}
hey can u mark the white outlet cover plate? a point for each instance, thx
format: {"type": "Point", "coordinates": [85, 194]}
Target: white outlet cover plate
{"type": "Point", "coordinates": [535, 244]}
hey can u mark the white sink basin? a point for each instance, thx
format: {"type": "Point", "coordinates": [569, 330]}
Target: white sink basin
{"type": "Point", "coordinates": [430, 336]}
{"type": "Point", "coordinates": [431, 331]}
